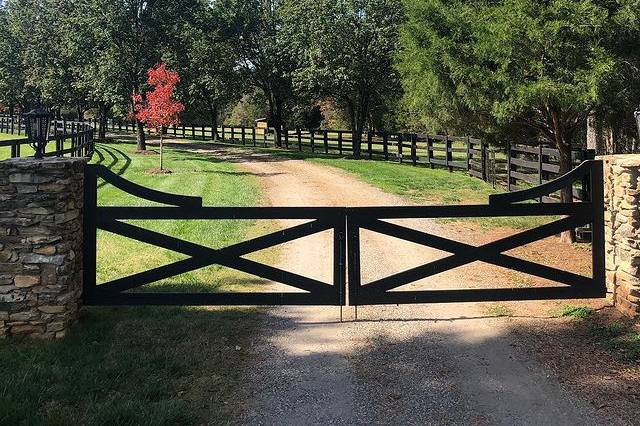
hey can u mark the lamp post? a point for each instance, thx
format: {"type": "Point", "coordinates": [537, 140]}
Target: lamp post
{"type": "Point", "coordinates": [37, 123]}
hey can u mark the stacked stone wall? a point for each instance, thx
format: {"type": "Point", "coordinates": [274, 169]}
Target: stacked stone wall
{"type": "Point", "coordinates": [40, 245]}
{"type": "Point", "coordinates": [622, 230]}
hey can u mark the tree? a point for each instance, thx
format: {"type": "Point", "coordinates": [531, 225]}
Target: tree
{"type": "Point", "coordinates": [12, 83]}
{"type": "Point", "coordinates": [210, 72]}
{"type": "Point", "coordinates": [263, 52]}
{"type": "Point", "coordinates": [347, 49]}
{"type": "Point", "coordinates": [158, 109]}
{"type": "Point", "coordinates": [521, 68]}
{"type": "Point", "coordinates": [133, 36]}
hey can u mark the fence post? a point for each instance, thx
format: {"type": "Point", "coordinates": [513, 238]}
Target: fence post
{"type": "Point", "coordinates": [264, 137]}
{"type": "Point", "coordinates": [385, 144]}
{"type": "Point", "coordinates": [326, 142]}
{"type": "Point", "coordinates": [285, 132]}
{"type": "Point", "coordinates": [429, 151]}
{"type": "Point", "coordinates": [340, 141]}
{"type": "Point", "coordinates": [414, 148]}
{"type": "Point", "coordinates": [369, 143]}
{"type": "Point", "coordinates": [508, 166]}
{"type": "Point", "coordinates": [312, 139]}
{"type": "Point", "coordinates": [243, 139]}
{"type": "Point", "coordinates": [448, 149]}
{"type": "Point", "coordinates": [253, 135]}
{"type": "Point", "coordinates": [299, 139]}
{"type": "Point", "coordinates": [469, 154]}
{"type": "Point", "coordinates": [399, 147]}
{"type": "Point", "coordinates": [483, 158]}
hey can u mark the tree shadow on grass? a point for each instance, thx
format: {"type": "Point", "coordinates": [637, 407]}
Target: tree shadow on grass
{"type": "Point", "coordinates": [141, 365]}
{"type": "Point", "coordinates": [117, 158]}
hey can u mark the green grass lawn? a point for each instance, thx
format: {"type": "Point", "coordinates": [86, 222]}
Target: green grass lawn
{"type": "Point", "coordinates": [25, 150]}
{"type": "Point", "coordinates": [217, 182]}
{"type": "Point", "coordinates": [145, 365]}
{"type": "Point", "coordinates": [8, 136]}
{"type": "Point", "coordinates": [424, 185]}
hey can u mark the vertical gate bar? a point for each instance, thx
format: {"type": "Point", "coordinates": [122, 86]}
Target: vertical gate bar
{"type": "Point", "coordinates": [597, 233]}
{"type": "Point", "coordinates": [89, 233]}
{"type": "Point", "coordinates": [353, 250]}
{"type": "Point", "coordinates": [339, 257]}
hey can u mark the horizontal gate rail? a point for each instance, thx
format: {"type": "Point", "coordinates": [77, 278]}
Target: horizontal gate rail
{"type": "Point", "coordinates": [501, 205]}
{"type": "Point", "coordinates": [115, 292]}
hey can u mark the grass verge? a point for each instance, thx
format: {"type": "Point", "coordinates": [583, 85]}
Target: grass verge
{"type": "Point", "coordinates": [145, 365]}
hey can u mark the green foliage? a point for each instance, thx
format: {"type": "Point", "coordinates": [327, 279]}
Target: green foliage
{"type": "Point", "coordinates": [510, 68]}
{"type": "Point", "coordinates": [345, 50]}
{"type": "Point", "coordinates": [497, 310]}
{"type": "Point", "coordinates": [577, 312]}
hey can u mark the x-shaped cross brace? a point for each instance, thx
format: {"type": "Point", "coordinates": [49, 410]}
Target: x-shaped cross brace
{"type": "Point", "coordinates": [463, 253]}
{"type": "Point", "coordinates": [201, 256]}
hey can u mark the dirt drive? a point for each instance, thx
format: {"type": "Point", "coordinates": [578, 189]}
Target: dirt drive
{"type": "Point", "coordinates": [408, 364]}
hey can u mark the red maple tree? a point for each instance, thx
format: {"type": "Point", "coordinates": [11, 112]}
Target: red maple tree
{"type": "Point", "coordinates": [157, 108]}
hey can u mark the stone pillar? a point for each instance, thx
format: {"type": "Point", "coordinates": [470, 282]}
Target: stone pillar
{"type": "Point", "coordinates": [40, 245]}
{"type": "Point", "coordinates": [622, 230]}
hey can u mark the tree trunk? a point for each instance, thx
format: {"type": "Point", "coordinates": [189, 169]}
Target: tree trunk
{"type": "Point", "coordinates": [161, 159]}
{"type": "Point", "coordinates": [566, 194]}
{"type": "Point", "coordinates": [102, 128]}
{"type": "Point", "coordinates": [214, 122]}
{"type": "Point", "coordinates": [563, 145]}
{"type": "Point", "coordinates": [609, 139]}
{"type": "Point", "coordinates": [277, 124]}
{"type": "Point", "coordinates": [141, 141]}
{"type": "Point", "coordinates": [275, 117]}
{"type": "Point", "coordinates": [592, 133]}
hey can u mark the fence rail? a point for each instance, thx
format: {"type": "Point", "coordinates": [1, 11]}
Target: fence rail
{"type": "Point", "coordinates": [518, 166]}
{"type": "Point", "coordinates": [73, 138]}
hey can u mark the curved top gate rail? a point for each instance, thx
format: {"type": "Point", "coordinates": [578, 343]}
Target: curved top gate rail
{"type": "Point", "coordinates": [67, 137]}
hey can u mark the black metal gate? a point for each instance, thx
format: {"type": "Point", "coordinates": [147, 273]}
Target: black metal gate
{"type": "Point", "coordinates": [345, 221]}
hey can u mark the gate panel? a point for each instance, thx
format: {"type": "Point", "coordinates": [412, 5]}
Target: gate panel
{"type": "Point", "coordinates": [112, 219]}
{"type": "Point", "coordinates": [574, 215]}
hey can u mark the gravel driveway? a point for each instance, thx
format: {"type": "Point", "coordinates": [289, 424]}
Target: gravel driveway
{"type": "Point", "coordinates": [409, 364]}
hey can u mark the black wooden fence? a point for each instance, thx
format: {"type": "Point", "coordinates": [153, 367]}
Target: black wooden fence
{"type": "Point", "coordinates": [534, 165]}
{"type": "Point", "coordinates": [517, 166]}
{"type": "Point", "coordinates": [73, 138]}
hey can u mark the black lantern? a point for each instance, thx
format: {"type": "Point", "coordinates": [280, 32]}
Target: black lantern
{"type": "Point", "coordinates": [37, 122]}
